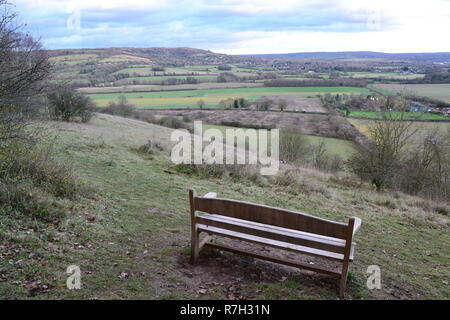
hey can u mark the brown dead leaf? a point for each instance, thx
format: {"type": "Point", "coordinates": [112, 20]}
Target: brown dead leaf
{"type": "Point", "coordinates": [201, 291]}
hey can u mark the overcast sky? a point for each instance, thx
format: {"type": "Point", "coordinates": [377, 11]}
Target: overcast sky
{"type": "Point", "coordinates": [242, 26]}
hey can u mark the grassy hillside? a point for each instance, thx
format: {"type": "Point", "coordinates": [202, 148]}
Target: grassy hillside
{"type": "Point", "coordinates": [130, 237]}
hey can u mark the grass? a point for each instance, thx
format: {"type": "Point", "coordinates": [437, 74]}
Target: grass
{"type": "Point", "coordinates": [74, 58]}
{"type": "Point", "coordinates": [136, 246]}
{"type": "Point", "coordinates": [398, 115]}
{"type": "Point", "coordinates": [147, 70]}
{"type": "Point", "coordinates": [384, 75]}
{"type": "Point", "coordinates": [161, 88]}
{"type": "Point", "coordinates": [436, 91]}
{"type": "Point", "coordinates": [188, 99]}
{"type": "Point", "coordinates": [125, 58]}
{"type": "Point", "coordinates": [362, 125]}
{"type": "Point", "coordinates": [171, 77]}
{"type": "Point", "coordinates": [340, 147]}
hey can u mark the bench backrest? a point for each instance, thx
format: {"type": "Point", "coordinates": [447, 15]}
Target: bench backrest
{"type": "Point", "coordinates": [272, 216]}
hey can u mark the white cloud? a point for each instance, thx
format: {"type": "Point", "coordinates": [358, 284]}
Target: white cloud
{"type": "Point", "coordinates": [402, 40]}
{"type": "Point", "coordinates": [254, 7]}
{"type": "Point", "coordinates": [338, 25]}
{"type": "Point", "coordinates": [64, 5]}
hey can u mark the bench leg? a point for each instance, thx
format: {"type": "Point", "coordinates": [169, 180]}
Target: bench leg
{"type": "Point", "coordinates": [344, 276]}
{"type": "Point", "coordinates": [343, 285]}
{"type": "Point", "coordinates": [195, 246]}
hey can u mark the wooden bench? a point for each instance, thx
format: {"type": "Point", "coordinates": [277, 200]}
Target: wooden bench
{"type": "Point", "coordinates": [273, 227]}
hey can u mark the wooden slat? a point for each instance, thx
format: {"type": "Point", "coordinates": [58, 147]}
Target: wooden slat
{"type": "Point", "coordinates": [274, 233]}
{"type": "Point", "coordinates": [272, 259]}
{"type": "Point", "coordinates": [271, 243]}
{"type": "Point", "coordinates": [272, 216]}
{"type": "Point", "coordinates": [295, 232]}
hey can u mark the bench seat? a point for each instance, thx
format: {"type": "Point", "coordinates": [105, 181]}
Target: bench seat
{"type": "Point", "coordinates": [299, 241]}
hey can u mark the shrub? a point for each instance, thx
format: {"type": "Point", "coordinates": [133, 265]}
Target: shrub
{"type": "Point", "coordinates": [238, 124]}
{"type": "Point", "coordinates": [172, 122]}
{"type": "Point", "coordinates": [236, 172]}
{"type": "Point", "coordinates": [282, 104]}
{"type": "Point", "coordinates": [120, 107]}
{"type": "Point", "coordinates": [43, 171]}
{"type": "Point", "coordinates": [285, 179]}
{"type": "Point", "coordinates": [22, 200]}
{"type": "Point", "coordinates": [293, 145]}
{"type": "Point", "coordinates": [67, 104]}
{"type": "Point", "coordinates": [32, 182]}
{"type": "Point", "coordinates": [144, 116]}
{"type": "Point", "coordinates": [151, 148]}
{"type": "Point", "coordinates": [399, 158]}
{"type": "Point", "coordinates": [224, 68]}
{"type": "Point", "coordinates": [200, 104]}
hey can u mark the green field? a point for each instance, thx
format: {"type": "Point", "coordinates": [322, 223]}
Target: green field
{"type": "Point", "coordinates": [189, 98]}
{"type": "Point", "coordinates": [399, 115]}
{"type": "Point", "coordinates": [338, 147]}
{"type": "Point", "coordinates": [363, 125]}
{"type": "Point", "coordinates": [435, 91]}
{"type": "Point", "coordinates": [146, 71]}
{"type": "Point", "coordinates": [384, 75]}
{"type": "Point", "coordinates": [156, 78]}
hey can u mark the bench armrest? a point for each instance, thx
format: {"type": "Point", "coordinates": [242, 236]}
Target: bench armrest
{"type": "Point", "coordinates": [357, 225]}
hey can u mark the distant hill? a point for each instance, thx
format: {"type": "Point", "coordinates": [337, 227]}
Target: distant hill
{"type": "Point", "coordinates": [165, 56]}
{"type": "Point", "coordinates": [191, 56]}
{"type": "Point", "coordinates": [438, 56]}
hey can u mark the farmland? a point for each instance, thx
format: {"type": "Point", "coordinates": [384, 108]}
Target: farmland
{"type": "Point", "coordinates": [162, 88]}
{"type": "Point", "coordinates": [363, 126]}
{"type": "Point", "coordinates": [384, 75]}
{"type": "Point", "coordinates": [189, 99]}
{"type": "Point", "coordinates": [436, 91]}
{"type": "Point", "coordinates": [334, 147]}
{"type": "Point", "coordinates": [399, 115]}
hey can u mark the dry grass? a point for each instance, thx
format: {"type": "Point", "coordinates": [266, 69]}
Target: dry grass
{"type": "Point", "coordinates": [74, 57]}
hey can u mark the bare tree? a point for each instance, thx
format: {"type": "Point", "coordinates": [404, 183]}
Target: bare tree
{"type": "Point", "coordinates": [282, 104]}
{"type": "Point", "coordinates": [23, 67]}
{"type": "Point", "coordinates": [381, 158]}
{"type": "Point", "coordinates": [200, 104]}
{"type": "Point", "coordinates": [294, 146]}
{"type": "Point", "coordinates": [427, 168]}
